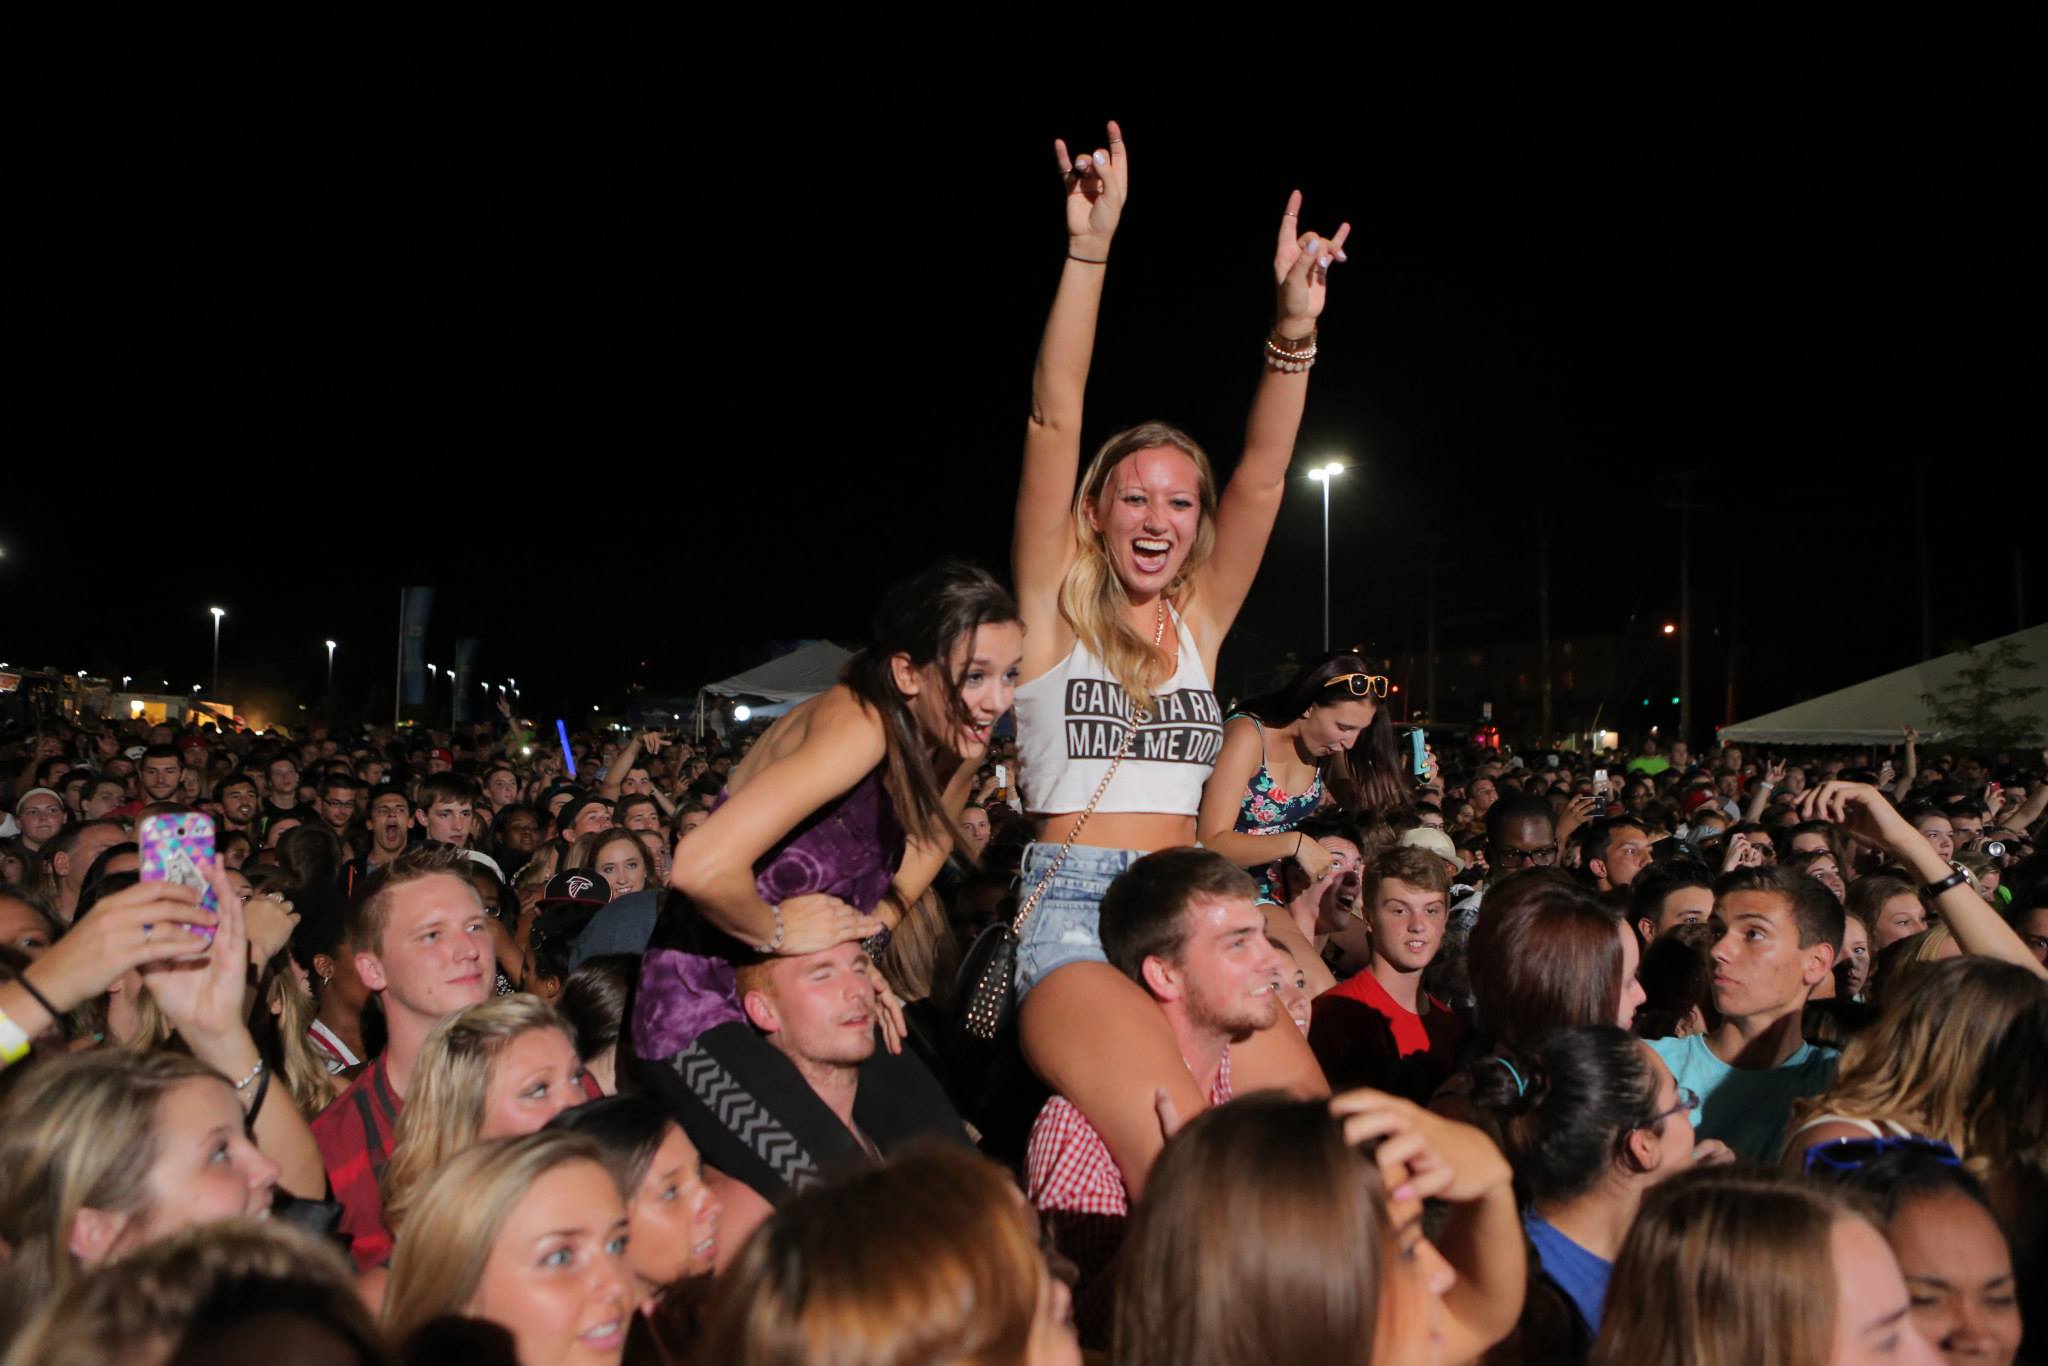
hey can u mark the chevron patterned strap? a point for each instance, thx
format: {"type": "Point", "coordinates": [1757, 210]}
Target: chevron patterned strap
{"type": "Point", "coordinates": [746, 1117]}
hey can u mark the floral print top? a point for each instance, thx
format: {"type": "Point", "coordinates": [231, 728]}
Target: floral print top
{"type": "Point", "coordinates": [1268, 810]}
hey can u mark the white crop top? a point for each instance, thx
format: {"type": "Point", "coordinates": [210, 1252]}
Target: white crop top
{"type": "Point", "coordinates": [1071, 722]}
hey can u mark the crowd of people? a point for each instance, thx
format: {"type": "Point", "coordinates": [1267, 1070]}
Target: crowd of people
{"type": "Point", "coordinates": [1018, 1001]}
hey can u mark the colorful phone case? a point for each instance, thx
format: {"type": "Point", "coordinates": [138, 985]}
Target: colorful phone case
{"type": "Point", "coordinates": [179, 849]}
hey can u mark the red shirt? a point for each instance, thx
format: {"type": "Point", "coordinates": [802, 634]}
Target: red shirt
{"type": "Point", "coordinates": [354, 1134]}
{"type": "Point", "coordinates": [1067, 1166]}
{"type": "Point", "coordinates": [1363, 1037]}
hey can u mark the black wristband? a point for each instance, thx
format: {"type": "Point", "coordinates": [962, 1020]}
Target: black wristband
{"type": "Point", "coordinates": [1088, 260]}
{"type": "Point", "coordinates": [57, 1017]}
{"type": "Point", "coordinates": [256, 1106]}
{"type": "Point", "coordinates": [1955, 879]}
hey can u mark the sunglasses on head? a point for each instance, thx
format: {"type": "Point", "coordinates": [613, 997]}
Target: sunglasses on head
{"type": "Point", "coordinates": [1854, 1154]}
{"type": "Point", "coordinates": [1361, 685]}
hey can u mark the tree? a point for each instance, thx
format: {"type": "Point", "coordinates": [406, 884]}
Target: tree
{"type": "Point", "coordinates": [1974, 709]}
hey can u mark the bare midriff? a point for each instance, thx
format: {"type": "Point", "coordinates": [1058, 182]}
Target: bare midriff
{"type": "Point", "coordinates": [1146, 830]}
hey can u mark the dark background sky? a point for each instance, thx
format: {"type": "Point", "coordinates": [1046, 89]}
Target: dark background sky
{"type": "Point", "coordinates": [647, 342]}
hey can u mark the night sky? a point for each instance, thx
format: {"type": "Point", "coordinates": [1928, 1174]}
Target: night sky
{"type": "Point", "coordinates": [648, 343]}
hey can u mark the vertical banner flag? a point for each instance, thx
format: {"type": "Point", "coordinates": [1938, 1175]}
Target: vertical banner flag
{"type": "Point", "coordinates": [415, 606]}
{"type": "Point", "coordinates": [466, 680]}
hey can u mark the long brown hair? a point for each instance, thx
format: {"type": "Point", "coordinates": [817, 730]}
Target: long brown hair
{"type": "Point", "coordinates": [960, 1283]}
{"type": "Point", "coordinates": [1235, 1257]}
{"type": "Point", "coordinates": [1545, 955]}
{"type": "Point", "coordinates": [1922, 1063]}
{"type": "Point", "coordinates": [923, 618]}
{"type": "Point", "coordinates": [1092, 597]}
{"type": "Point", "coordinates": [1724, 1267]}
{"type": "Point", "coordinates": [1366, 777]}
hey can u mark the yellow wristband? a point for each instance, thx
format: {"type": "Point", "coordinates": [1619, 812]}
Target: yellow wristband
{"type": "Point", "coordinates": [14, 1044]}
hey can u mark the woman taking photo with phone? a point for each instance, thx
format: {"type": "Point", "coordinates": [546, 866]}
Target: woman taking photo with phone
{"type": "Point", "coordinates": [1128, 585]}
{"type": "Point", "coordinates": [1323, 736]}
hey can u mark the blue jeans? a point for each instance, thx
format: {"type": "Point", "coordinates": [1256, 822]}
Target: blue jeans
{"type": "Point", "coordinates": [1065, 927]}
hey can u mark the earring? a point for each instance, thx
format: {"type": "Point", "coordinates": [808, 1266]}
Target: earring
{"type": "Point", "coordinates": [327, 980]}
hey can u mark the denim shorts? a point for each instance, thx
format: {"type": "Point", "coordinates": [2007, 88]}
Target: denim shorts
{"type": "Point", "coordinates": [1065, 927]}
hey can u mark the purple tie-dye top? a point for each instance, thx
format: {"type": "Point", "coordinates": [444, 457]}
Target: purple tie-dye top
{"type": "Point", "coordinates": [849, 848]}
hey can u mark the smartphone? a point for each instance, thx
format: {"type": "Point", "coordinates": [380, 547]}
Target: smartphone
{"type": "Point", "coordinates": [179, 849]}
{"type": "Point", "coordinates": [1550, 761]}
{"type": "Point", "coordinates": [1600, 783]}
{"type": "Point", "coordinates": [1418, 750]}
{"type": "Point", "coordinates": [1002, 776]}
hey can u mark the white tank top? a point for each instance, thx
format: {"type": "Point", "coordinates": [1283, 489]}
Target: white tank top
{"type": "Point", "coordinates": [1071, 722]}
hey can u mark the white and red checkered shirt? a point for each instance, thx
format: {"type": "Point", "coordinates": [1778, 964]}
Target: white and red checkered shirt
{"type": "Point", "coordinates": [1067, 1166]}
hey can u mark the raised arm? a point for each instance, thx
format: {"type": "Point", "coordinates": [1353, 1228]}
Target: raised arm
{"type": "Point", "coordinates": [1251, 501]}
{"type": "Point", "coordinates": [1760, 796]}
{"type": "Point", "coordinates": [615, 772]}
{"type": "Point", "coordinates": [1863, 811]}
{"type": "Point", "coordinates": [1096, 186]}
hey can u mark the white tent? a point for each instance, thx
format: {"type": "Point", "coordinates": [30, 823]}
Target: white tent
{"type": "Point", "coordinates": [784, 681]}
{"type": "Point", "coordinates": [1871, 712]}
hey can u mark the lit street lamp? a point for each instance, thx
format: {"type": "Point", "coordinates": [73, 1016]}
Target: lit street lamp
{"type": "Point", "coordinates": [1323, 476]}
{"type": "Point", "coordinates": [217, 615]}
{"type": "Point", "coordinates": [330, 666]}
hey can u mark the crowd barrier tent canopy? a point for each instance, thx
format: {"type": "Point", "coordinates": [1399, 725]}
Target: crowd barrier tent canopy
{"type": "Point", "coordinates": [1871, 712]}
{"type": "Point", "coordinates": [776, 686]}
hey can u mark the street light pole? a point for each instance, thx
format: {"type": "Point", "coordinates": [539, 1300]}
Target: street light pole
{"type": "Point", "coordinates": [217, 615]}
{"type": "Point", "coordinates": [1323, 476]}
{"type": "Point", "coordinates": [330, 667]}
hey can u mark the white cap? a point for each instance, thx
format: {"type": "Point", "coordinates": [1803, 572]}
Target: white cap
{"type": "Point", "coordinates": [1436, 841]}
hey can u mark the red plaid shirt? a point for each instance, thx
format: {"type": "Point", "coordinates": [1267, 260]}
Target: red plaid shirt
{"type": "Point", "coordinates": [1067, 1166]}
{"type": "Point", "coordinates": [354, 1135]}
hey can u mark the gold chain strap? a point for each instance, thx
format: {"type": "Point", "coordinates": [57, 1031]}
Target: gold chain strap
{"type": "Point", "coordinates": [1139, 716]}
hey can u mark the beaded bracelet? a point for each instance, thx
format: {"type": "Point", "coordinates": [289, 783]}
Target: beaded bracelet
{"type": "Point", "coordinates": [776, 943]}
{"type": "Point", "coordinates": [1291, 355]}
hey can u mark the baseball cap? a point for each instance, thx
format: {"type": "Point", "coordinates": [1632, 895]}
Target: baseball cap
{"type": "Point", "coordinates": [575, 807]}
{"type": "Point", "coordinates": [1436, 841]}
{"type": "Point", "coordinates": [577, 887]}
{"type": "Point", "coordinates": [1695, 800]}
{"type": "Point", "coordinates": [444, 756]}
{"type": "Point", "coordinates": [554, 790]}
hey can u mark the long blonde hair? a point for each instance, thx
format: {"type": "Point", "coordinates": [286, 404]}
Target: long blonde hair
{"type": "Point", "coordinates": [298, 1064]}
{"type": "Point", "coordinates": [1092, 597]}
{"type": "Point", "coordinates": [199, 1280]}
{"type": "Point", "coordinates": [960, 1284]}
{"type": "Point", "coordinates": [304, 1072]}
{"type": "Point", "coordinates": [1921, 1063]}
{"type": "Point", "coordinates": [78, 1132]}
{"type": "Point", "coordinates": [1727, 1267]}
{"type": "Point", "coordinates": [442, 1253]}
{"type": "Point", "coordinates": [451, 1080]}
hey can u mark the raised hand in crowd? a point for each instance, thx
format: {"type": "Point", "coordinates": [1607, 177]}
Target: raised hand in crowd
{"type": "Point", "coordinates": [1863, 813]}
